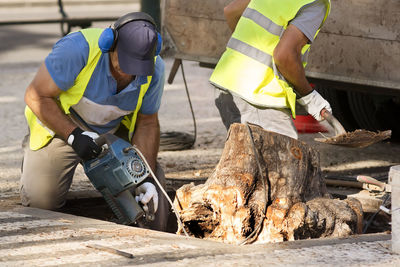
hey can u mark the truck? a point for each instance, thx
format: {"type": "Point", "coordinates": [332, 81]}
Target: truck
{"type": "Point", "coordinates": [354, 61]}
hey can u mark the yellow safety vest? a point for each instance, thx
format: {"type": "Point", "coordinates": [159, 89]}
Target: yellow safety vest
{"type": "Point", "coordinates": [40, 135]}
{"type": "Point", "coordinates": [246, 68]}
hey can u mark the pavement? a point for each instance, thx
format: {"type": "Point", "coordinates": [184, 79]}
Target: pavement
{"type": "Point", "coordinates": [37, 237]}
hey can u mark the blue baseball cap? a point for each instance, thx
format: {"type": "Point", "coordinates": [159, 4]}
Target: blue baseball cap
{"type": "Point", "coordinates": [136, 46]}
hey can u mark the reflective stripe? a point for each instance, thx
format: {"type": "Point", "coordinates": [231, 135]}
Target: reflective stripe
{"type": "Point", "coordinates": [275, 102]}
{"type": "Point", "coordinates": [255, 53]}
{"type": "Point", "coordinates": [263, 21]}
{"type": "Point", "coordinates": [97, 114]}
{"type": "Point", "coordinates": [250, 51]}
{"type": "Point", "coordinates": [52, 133]}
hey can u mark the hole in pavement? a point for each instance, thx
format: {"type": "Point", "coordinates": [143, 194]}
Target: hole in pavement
{"type": "Point", "coordinates": [97, 208]}
{"type": "Point", "coordinates": [379, 223]}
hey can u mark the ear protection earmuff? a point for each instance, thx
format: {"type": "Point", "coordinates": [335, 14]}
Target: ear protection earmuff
{"type": "Point", "coordinates": [109, 37]}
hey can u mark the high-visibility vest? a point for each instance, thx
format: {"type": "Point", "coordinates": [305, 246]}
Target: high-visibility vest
{"type": "Point", "coordinates": [246, 68]}
{"type": "Point", "coordinates": [40, 135]}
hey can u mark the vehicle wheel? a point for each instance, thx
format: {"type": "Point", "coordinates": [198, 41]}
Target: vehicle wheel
{"type": "Point", "coordinates": [340, 107]}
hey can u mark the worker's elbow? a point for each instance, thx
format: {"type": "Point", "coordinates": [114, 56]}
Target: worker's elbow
{"type": "Point", "coordinates": [28, 95]}
{"type": "Point", "coordinates": [283, 58]}
{"type": "Point", "coordinates": [230, 10]}
{"type": "Point", "coordinates": [229, 13]}
{"type": "Point", "coordinates": [234, 10]}
{"type": "Point", "coordinates": [280, 57]}
{"type": "Point", "coordinates": [32, 98]}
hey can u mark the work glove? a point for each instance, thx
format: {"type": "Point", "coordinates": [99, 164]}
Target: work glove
{"type": "Point", "coordinates": [314, 103]}
{"type": "Point", "coordinates": [83, 143]}
{"type": "Point", "coordinates": [146, 192]}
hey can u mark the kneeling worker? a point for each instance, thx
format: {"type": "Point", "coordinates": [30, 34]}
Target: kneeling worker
{"type": "Point", "coordinates": [94, 81]}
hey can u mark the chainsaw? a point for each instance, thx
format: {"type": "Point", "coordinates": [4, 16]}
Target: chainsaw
{"type": "Point", "coordinates": [115, 173]}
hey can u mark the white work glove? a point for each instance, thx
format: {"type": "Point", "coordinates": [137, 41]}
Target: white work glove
{"type": "Point", "coordinates": [146, 192]}
{"type": "Point", "coordinates": [314, 103]}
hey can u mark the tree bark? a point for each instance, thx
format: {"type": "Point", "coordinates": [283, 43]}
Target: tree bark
{"type": "Point", "coordinates": [288, 201]}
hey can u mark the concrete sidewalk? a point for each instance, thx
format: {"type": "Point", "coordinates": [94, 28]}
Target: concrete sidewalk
{"type": "Point", "coordinates": [35, 237]}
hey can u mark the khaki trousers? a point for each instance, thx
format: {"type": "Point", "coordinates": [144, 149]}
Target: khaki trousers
{"type": "Point", "coordinates": [47, 176]}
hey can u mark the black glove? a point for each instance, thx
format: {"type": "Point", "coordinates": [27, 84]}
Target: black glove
{"type": "Point", "coordinates": [83, 143]}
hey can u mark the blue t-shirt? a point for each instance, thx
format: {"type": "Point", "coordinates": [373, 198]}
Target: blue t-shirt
{"type": "Point", "coordinates": [101, 106]}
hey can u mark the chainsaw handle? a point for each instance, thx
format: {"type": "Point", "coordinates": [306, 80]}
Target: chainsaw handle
{"type": "Point", "coordinates": [101, 140]}
{"type": "Point", "coordinates": [106, 139]}
{"type": "Point", "coordinates": [337, 126]}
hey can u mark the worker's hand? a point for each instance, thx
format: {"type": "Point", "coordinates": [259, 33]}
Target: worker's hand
{"type": "Point", "coordinates": [314, 103]}
{"type": "Point", "coordinates": [83, 143]}
{"type": "Point", "coordinates": [146, 192]}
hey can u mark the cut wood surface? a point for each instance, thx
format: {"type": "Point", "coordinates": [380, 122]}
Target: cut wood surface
{"type": "Point", "coordinates": [231, 204]}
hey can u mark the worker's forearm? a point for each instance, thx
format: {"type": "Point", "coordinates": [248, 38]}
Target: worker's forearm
{"type": "Point", "coordinates": [147, 139]}
{"type": "Point", "coordinates": [49, 113]}
{"type": "Point", "coordinates": [287, 57]}
{"type": "Point", "coordinates": [292, 69]}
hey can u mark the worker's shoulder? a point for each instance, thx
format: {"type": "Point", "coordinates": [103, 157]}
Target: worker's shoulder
{"type": "Point", "coordinates": [69, 55]}
{"type": "Point", "coordinates": [74, 41]}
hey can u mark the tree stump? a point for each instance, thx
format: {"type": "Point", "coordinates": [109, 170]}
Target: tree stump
{"type": "Point", "coordinates": [288, 201]}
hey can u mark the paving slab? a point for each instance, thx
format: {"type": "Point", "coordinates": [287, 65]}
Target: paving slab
{"type": "Point", "coordinates": [36, 237]}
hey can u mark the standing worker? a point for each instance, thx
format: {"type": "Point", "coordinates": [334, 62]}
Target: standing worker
{"type": "Point", "coordinates": [94, 81]}
{"type": "Point", "coordinates": [262, 69]}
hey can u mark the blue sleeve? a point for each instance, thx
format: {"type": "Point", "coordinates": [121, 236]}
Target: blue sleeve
{"type": "Point", "coordinates": [152, 98]}
{"type": "Point", "coordinates": [309, 18]}
{"type": "Point", "coordinates": [67, 59]}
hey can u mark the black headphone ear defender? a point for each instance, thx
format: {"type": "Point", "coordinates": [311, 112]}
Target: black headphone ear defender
{"type": "Point", "coordinates": [109, 37]}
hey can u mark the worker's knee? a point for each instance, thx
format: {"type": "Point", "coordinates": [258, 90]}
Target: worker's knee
{"type": "Point", "coordinates": [44, 198]}
{"type": "Point", "coordinates": [47, 175]}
